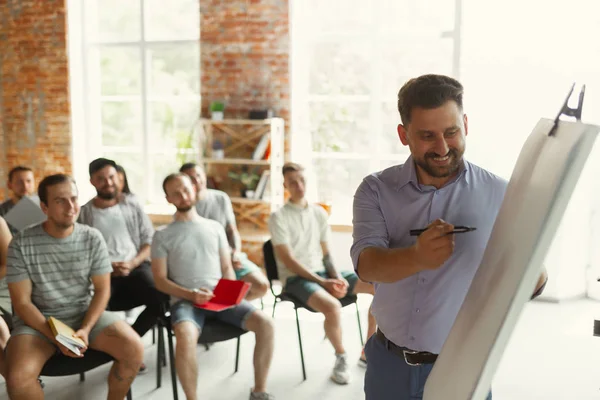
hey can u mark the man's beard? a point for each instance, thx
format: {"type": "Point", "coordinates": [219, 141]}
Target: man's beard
{"type": "Point", "coordinates": [437, 171]}
{"type": "Point", "coordinates": [184, 209]}
{"type": "Point", "coordinates": [106, 195]}
{"type": "Point", "coordinates": [62, 225]}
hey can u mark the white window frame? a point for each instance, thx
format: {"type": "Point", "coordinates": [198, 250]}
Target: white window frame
{"type": "Point", "coordinates": [92, 100]}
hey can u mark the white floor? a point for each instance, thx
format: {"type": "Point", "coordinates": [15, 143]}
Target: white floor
{"type": "Point", "coordinates": [552, 355]}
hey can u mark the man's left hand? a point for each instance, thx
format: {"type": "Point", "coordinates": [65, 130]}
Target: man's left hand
{"type": "Point", "coordinates": [235, 261]}
{"type": "Point", "coordinates": [123, 268]}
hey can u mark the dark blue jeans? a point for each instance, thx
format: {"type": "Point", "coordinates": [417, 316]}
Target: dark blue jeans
{"type": "Point", "coordinates": [388, 377]}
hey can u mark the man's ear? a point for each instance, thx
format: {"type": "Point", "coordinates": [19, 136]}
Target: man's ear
{"type": "Point", "coordinates": [403, 134]}
{"type": "Point", "coordinates": [466, 122]}
{"type": "Point", "coordinates": [44, 207]}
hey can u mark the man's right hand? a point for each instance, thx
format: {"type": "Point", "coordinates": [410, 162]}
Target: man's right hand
{"type": "Point", "coordinates": [202, 296]}
{"type": "Point", "coordinates": [435, 245]}
{"type": "Point", "coordinates": [336, 287]}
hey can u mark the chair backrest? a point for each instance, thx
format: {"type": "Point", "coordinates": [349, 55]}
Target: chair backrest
{"type": "Point", "coordinates": [270, 263]}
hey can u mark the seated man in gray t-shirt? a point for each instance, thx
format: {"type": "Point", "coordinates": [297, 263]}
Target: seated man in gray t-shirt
{"type": "Point", "coordinates": [51, 269]}
{"type": "Point", "coordinates": [189, 257]}
{"type": "Point", "coordinates": [216, 205]}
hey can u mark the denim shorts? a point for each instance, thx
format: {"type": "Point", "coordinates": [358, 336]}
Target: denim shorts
{"type": "Point", "coordinates": [185, 311]}
{"type": "Point", "coordinates": [302, 288]}
{"type": "Point", "coordinates": [247, 267]}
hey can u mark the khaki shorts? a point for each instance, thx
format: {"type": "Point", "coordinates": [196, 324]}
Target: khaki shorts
{"type": "Point", "coordinates": [106, 319]}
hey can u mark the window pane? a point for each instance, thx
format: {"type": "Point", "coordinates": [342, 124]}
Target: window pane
{"type": "Point", "coordinates": [113, 20]}
{"type": "Point", "coordinates": [340, 68]}
{"type": "Point", "coordinates": [406, 59]}
{"type": "Point", "coordinates": [174, 69]}
{"type": "Point", "coordinates": [407, 16]}
{"type": "Point", "coordinates": [340, 127]}
{"type": "Point", "coordinates": [336, 15]}
{"type": "Point", "coordinates": [173, 124]}
{"type": "Point", "coordinates": [336, 183]}
{"type": "Point", "coordinates": [121, 123]}
{"type": "Point", "coordinates": [389, 140]}
{"type": "Point", "coordinates": [134, 168]}
{"type": "Point", "coordinates": [179, 20]}
{"type": "Point", "coordinates": [120, 70]}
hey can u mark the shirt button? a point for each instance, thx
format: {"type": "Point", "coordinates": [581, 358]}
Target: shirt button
{"type": "Point", "coordinates": [417, 310]}
{"type": "Point", "coordinates": [423, 280]}
{"type": "Point", "coordinates": [412, 338]}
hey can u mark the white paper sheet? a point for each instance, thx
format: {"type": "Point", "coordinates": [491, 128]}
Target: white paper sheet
{"type": "Point", "coordinates": [539, 190]}
{"type": "Point", "coordinates": [25, 213]}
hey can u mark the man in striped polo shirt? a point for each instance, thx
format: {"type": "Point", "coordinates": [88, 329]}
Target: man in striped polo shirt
{"type": "Point", "coordinates": [51, 269]}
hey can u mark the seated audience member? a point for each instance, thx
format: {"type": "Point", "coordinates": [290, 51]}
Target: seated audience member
{"type": "Point", "coordinates": [5, 306]}
{"type": "Point", "coordinates": [188, 258]}
{"type": "Point", "coordinates": [128, 233]}
{"type": "Point", "coordinates": [50, 269]}
{"type": "Point", "coordinates": [20, 183]}
{"type": "Point", "coordinates": [216, 205]}
{"type": "Point", "coordinates": [300, 236]}
{"type": "Point", "coordinates": [122, 183]}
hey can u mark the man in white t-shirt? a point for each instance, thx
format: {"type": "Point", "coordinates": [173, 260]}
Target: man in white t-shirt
{"type": "Point", "coordinates": [189, 257]}
{"type": "Point", "coordinates": [216, 205]}
{"type": "Point", "coordinates": [300, 236]}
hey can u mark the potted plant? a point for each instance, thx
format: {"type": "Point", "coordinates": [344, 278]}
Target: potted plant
{"type": "Point", "coordinates": [248, 179]}
{"type": "Point", "coordinates": [217, 109]}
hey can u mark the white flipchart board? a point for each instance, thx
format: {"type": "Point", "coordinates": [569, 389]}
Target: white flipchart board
{"type": "Point", "coordinates": [539, 190]}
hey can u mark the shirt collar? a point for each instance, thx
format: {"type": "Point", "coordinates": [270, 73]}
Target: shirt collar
{"type": "Point", "coordinates": [408, 173]}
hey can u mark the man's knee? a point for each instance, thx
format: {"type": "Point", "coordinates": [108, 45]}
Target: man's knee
{"type": "Point", "coordinates": [186, 333]}
{"type": "Point", "coordinates": [261, 285]}
{"type": "Point", "coordinates": [325, 303]}
{"type": "Point", "coordinates": [261, 324]}
{"type": "Point", "coordinates": [21, 372]}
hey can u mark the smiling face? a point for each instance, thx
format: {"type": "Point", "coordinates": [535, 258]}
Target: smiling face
{"type": "Point", "coordinates": [436, 138]}
{"type": "Point", "coordinates": [198, 178]}
{"type": "Point", "coordinates": [62, 206]}
{"type": "Point", "coordinates": [106, 181]}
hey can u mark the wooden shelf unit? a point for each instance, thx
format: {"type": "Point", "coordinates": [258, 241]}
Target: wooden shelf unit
{"type": "Point", "coordinates": [239, 138]}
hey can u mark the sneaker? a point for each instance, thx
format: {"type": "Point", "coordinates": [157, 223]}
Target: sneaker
{"type": "Point", "coordinates": [261, 396]}
{"type": "Point", "coordinates": [340, 370]}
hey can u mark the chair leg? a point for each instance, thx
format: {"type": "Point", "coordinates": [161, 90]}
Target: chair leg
{"type": "Point", "coordinates": [154, 334]}
{"type": "Point", "coordinates": [82, 377]}
{"type": "Point", "coordinates": [159, 357]}
{"type": "Point", "coordinates": [274, 304]}
{"type": "Point", "coordinates": [172, 362]}
{"type": "Point", "coordinates": [237, 355]}
{"type": "Point", "coordinates": [262, 304]}
{"type": "Point", "coordinates": [300, 345]}
{"type": "Point", "coordinates": [129, 397]}
{"type": "Point", "coordinates": [362, 340]}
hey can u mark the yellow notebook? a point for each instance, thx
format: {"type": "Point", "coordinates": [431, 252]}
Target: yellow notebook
{"type": "Point", "coordinates": [64, 335]}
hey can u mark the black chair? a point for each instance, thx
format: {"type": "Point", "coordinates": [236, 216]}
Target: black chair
{"type": "Point", "coordinates": [61, 365]}
{"type": "Point", "coordinates": [273, 275]}
{"type": "Point", "coordinates": [213, 331]}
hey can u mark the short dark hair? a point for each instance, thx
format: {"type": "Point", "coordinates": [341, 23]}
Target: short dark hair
{"type": "Point", "coordinates": [100, 163]}
{"type": "Point", "coordinates": [428, 91]}
{"type": "Point", "coordinates": [188, 165]}
{"type": "Point", "coordinates": [16, 170]}
{"type": "Point", "coordinates": [51, 180]}
{"type": "Point", "coordinates": [291, 167]}
{"type": "Point", "coordinates": [170, 177]}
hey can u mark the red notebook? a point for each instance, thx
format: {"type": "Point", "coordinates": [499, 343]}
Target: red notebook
{"type": "Point", "coordinates": [228, 294]}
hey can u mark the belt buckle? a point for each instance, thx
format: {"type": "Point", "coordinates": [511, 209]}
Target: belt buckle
{"type": "Point", "coordinates": [405, 352]}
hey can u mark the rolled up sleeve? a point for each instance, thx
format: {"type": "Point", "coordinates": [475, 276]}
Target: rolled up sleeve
{"type": "Point", "coordinates": [368, 224]}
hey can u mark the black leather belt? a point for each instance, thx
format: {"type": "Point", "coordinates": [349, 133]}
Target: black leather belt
{"type": "Point", "coordinates": [413, 358]}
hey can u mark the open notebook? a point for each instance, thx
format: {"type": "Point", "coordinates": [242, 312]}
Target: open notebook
{"type": "Point", "coordinates": [228, 294]}
{"type": "Point", "coordinates": [64, 335]}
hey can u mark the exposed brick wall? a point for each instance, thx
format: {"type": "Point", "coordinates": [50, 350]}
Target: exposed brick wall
{"type": "Point", "coordinates": [245, 48]}
{"type": "Point", "coordinates": [34, 88]}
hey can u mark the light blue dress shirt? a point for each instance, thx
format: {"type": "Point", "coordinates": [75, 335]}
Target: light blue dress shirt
{"type": "Point", "coordinates": [418, 312]}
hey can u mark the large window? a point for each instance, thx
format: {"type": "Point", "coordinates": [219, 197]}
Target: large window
{"type": "Point", "coordinates": [141, 88]}
{"type": "Point", "coordinates": [349, 60]}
